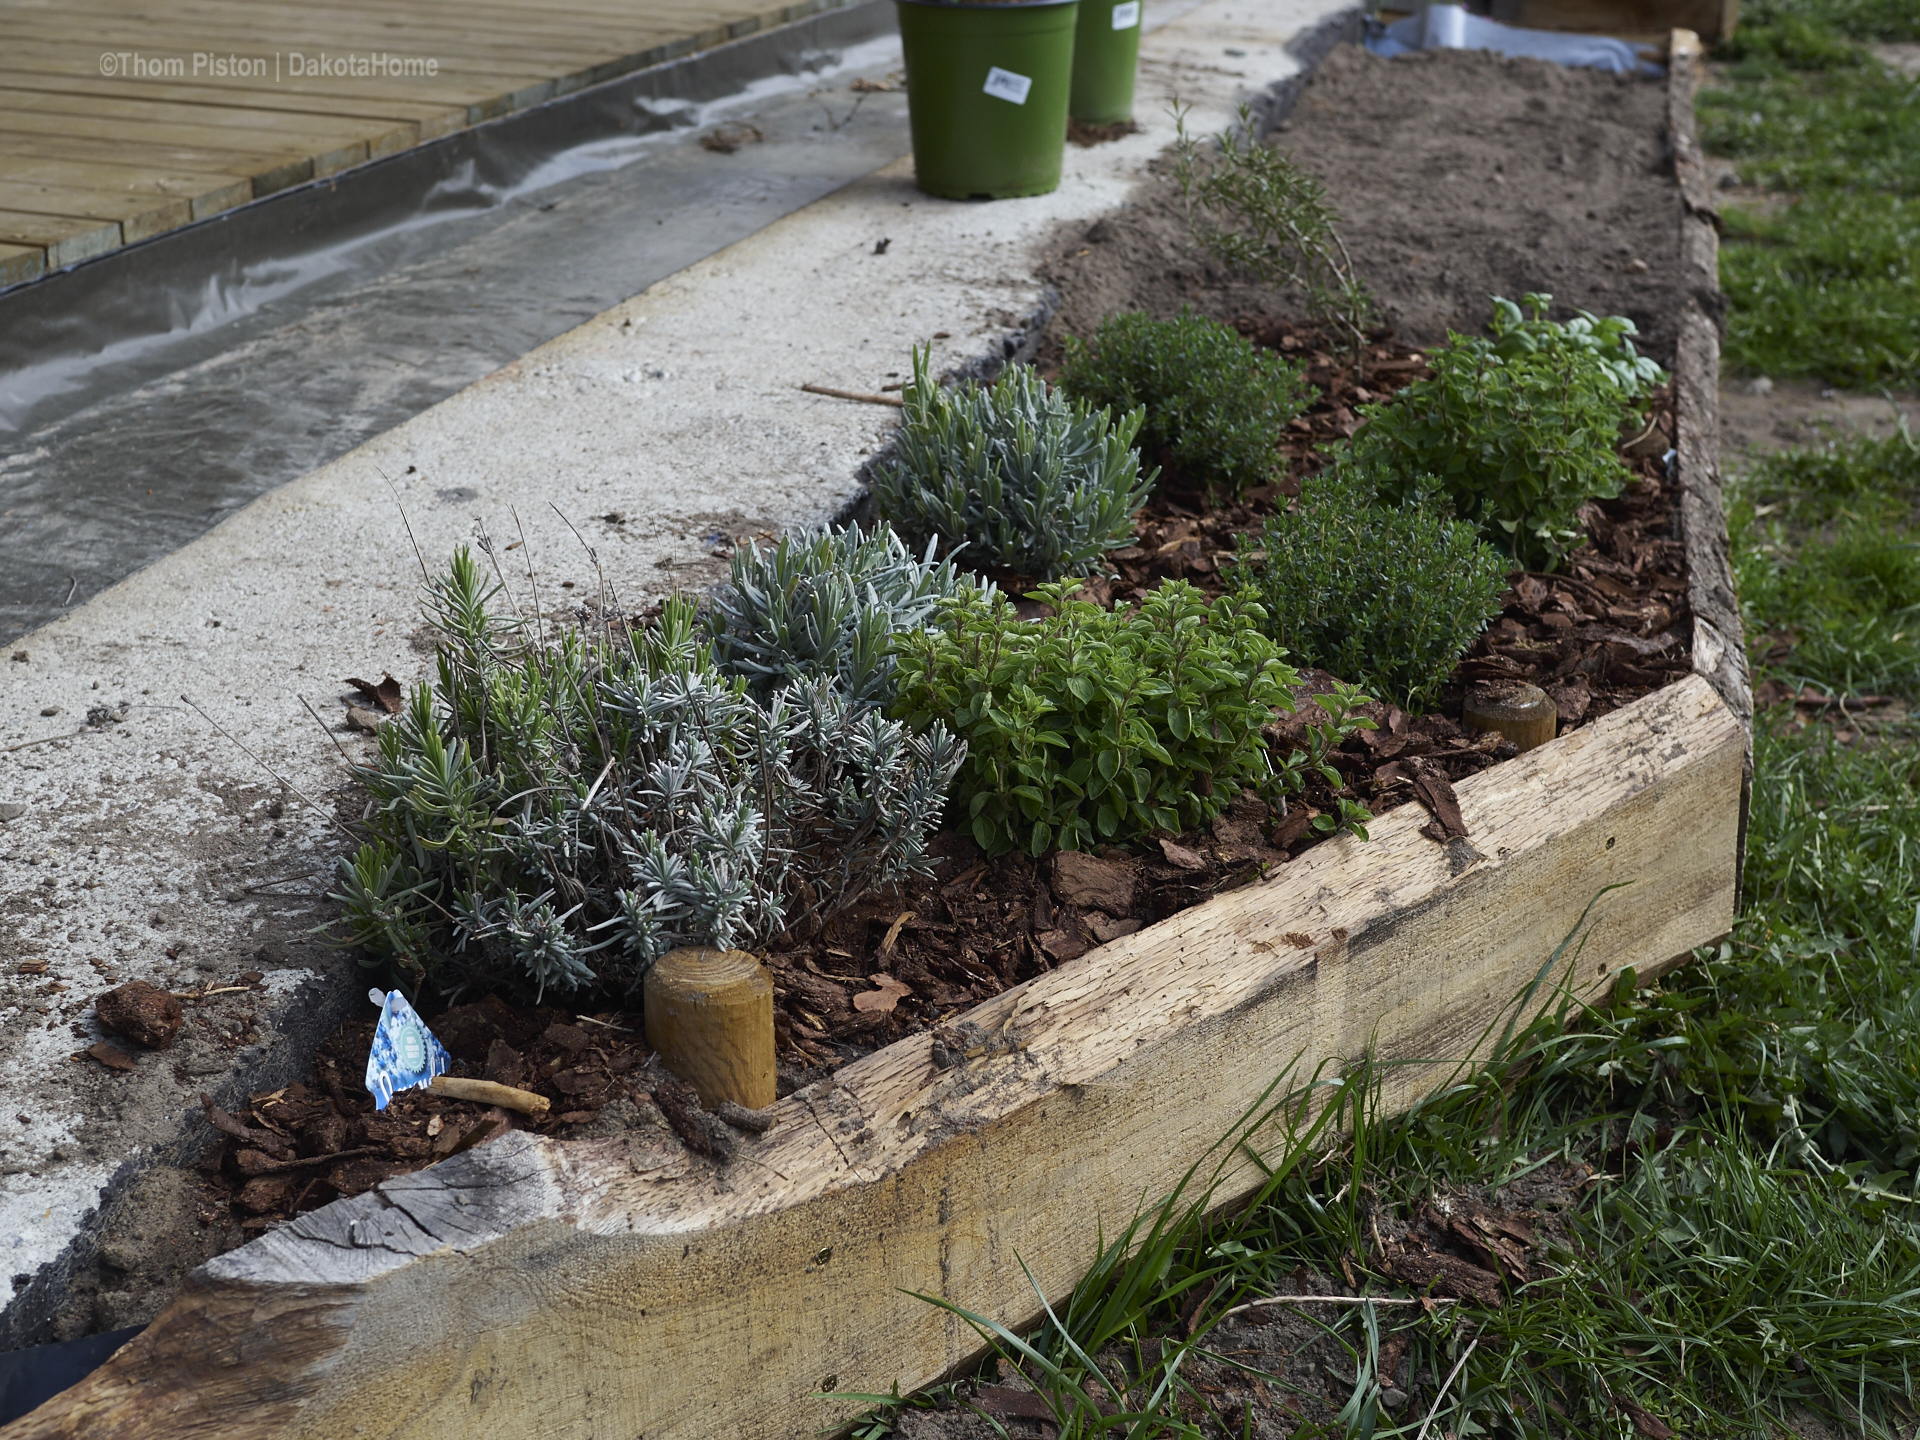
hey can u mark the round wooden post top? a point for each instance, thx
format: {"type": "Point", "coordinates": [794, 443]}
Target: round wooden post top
{"type": "Point", "coordinates": [710, 1017]}
{"type": "Point", "coordinates": [1522, 712]}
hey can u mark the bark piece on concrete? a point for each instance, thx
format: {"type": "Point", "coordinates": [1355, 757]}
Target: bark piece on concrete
{"type": "Point", "coordinates": [143, 1013]}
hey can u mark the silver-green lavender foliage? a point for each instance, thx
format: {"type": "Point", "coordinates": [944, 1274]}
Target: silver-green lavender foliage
{"type": "Point", "coordinates": [556, 813]}
{"type": "Point", "coordinates": [828, 602]}
{"type": "Point", "coordinates": [1026, 479]}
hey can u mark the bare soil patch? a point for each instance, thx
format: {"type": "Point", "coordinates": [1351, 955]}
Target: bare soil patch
{"type": "Point", "coordinates": [1457, 175]}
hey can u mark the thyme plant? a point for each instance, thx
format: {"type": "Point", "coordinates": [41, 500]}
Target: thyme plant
{"type": "Point", "coordinates": [1390, 597]}
{"type": "Point", "coordinates": [1216, 406]}
{"type": "Point", "coordinates": [1019, 475]}
{"type": "Point", "coordinates": [556, 813]}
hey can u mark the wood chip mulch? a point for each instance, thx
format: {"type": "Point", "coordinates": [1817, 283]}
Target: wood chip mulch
{"type": "Point", "coordinates": [1608, 629]}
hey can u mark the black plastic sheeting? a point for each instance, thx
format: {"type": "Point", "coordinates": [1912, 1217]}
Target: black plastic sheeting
{"type": "Point", "coordinates": [147, 395]}
{"type": "Point", "coordinates": [29, 1378]}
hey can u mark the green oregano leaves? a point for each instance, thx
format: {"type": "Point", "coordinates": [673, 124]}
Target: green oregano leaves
{"type": "Point", "coordinates": [1090, 726]}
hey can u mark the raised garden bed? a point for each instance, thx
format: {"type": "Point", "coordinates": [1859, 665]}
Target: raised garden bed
{"type": "Point", "coordinates": [487, 1293]}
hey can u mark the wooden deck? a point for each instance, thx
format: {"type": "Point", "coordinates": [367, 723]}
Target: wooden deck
{"type": "Point", "coordinates": [211, 103]}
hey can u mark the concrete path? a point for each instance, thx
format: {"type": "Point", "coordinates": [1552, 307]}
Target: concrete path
{"type": "Point", "coordinates": [662, 429]}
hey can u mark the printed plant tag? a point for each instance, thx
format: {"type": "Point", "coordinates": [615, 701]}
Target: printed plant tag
{"type": "Point", "coordinates": [1127, 15]}
{"type": "Point", "coordinates": [1005, 85]}
{"type": "Point", "coordinates": [405, 1054]}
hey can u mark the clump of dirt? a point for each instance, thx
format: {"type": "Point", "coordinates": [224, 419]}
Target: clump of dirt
{"type": "Point", "coordinates": [1457, 175]}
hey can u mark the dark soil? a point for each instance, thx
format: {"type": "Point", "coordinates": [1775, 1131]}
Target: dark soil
{"type": "Point", "coordinates": [1457, 175]}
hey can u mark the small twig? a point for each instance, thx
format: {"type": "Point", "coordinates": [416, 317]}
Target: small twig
{"type": "Point", "coordinates": [202, 994]}
{"type": "Point", "coordinates": [44, 739]}
{"type": "Point", "coordinates": [1328, 1300]}
{"type": "Point", "coordinates": [328, 733]}
{"type": "Point", "coordinates": [1441, 1398]}
{"type": "Point", "coordinates": [300, 1162]}
{"type": "Point", "coordinates": [331, 818]}
{"type": "Point", "coordinates": [424, 576]}
{"type": "Point", "coordinates": [587, 803]}
{"type": "Point", "coordinates": [603, 1024]}
{"type": "Point", "coordinates": [260, 885]}
{"type": "Point", "coordinates": [866, 399]}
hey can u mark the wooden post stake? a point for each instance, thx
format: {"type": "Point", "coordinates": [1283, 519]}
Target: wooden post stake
{"type": "Point", "coordinates": [710, 1017]}
{"type": "Point", "coordinates": [1524, 713]}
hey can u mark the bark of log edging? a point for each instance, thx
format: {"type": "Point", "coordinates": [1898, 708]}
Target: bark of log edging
{"type": "Point", "coordinates": [1719, 641]}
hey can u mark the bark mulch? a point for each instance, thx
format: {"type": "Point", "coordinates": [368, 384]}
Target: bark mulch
{"type": "Point", "coordinates": [1608, 629]}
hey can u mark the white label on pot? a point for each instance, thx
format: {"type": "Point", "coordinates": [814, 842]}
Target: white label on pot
{"type": "Point", "coordinates": [1126, 16]}
{"type": "Point", "coordinates": [1005, 85]}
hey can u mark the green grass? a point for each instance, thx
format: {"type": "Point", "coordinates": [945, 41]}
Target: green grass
{"type": "Point", "coordinates": [1830, 289]}
{"type": "Point", "coordinates": [1827, 565]}
{"type": "Point", "coordinates": [1827, 286]}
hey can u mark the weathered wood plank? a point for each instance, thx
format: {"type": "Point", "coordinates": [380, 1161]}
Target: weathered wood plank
{"type": "Point", "coordinates": [66, 239]}
{"type": "Point", "coordinates": [20, 263]}
{"type": "Point", "coordinates": [1719, 646]}
{"type": "Point", "coordinates": [609, 1287]}
{"type": "Point", "coordinates": [205, 194]}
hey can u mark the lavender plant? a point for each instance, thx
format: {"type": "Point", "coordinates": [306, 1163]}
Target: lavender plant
{"type": "Point", "coordinates": [828, 602]}
{"type": "Point", "coordinates": [558, 812]}
{"type": "Point", "coordinates": [1022, 477]}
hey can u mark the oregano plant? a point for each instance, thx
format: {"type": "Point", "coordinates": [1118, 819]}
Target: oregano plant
{"type": "Point", "coordinates": [1514, 431]}
{"type": "Point", "coordinates": [1091, 726]}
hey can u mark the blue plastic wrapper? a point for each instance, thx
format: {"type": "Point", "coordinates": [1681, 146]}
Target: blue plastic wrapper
{"type": "Point", "coordinates": [405, 1053]}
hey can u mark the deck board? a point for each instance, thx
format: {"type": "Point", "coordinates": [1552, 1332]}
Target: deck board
{"type": "Point", "coordinates": [89, 162]}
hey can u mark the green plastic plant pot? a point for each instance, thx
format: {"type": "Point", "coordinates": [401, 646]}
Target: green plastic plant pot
{"type": "Point", "coordinates": [1106, 52]}
{"type": "Point", "coordinates": [987, 95]}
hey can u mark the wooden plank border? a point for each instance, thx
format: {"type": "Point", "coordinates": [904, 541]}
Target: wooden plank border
{"type": "Point", "coordinates": [1719, 645]}
{"type": "Point", "coordinates": [622, 1287]}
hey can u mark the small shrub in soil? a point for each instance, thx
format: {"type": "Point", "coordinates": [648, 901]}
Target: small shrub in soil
{"type": "Point", "coordinates": [1023, 478]}
{"type": "Point", "coordinates": [1257, 212]}
{"type": "Point", "coordinates": [1389, 597]}
{"type": "Point", "coordinates": [827, 602]}
{"type": "Point", "coordinates": [1515, 431]}
{"type": "Point", "coordinates": [1090, 726]}
{"type": "Point", "coordinates": [1216, 407]}
{"type": "Point", "coordinates": [560, 813]}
